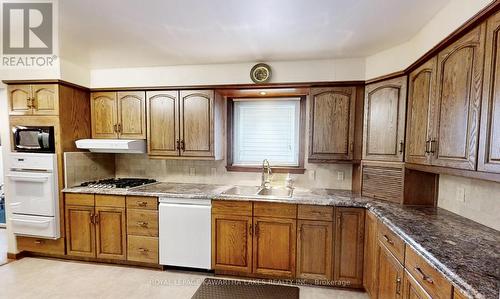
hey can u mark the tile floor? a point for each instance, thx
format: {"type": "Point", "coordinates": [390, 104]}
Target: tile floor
{"type": "Point", "coordinates": [48, 278]}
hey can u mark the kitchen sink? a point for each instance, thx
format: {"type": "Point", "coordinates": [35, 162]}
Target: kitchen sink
{"type": "Point", "coordinates": [259, 192]}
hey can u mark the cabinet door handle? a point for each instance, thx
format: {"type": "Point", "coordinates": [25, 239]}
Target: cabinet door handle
{"type": "Point", "coordinates": [92, 218]}
{"type": "Point", "coordinates": [427, 145]}
{"type": "Point", "coordinates": [143, 250]}
{"type": "Point", "coordinates": [256, 229]}
{"type": "Point", "coordinates": [250, 229]}
{"type": "Point", "coordinates": [432, 149]}
{"type": "Point", "coordinates": [115, 129]}
{"type": "Point", "coordinates": [29, 103]}
{"type": "Point", "coordinates": [398, 286]}
{"type": "Point", "coordinates": [388, 240]}
{"type": "Point", "coordinates": [401, 144]}
{"type": "Point", "coordinates": [96, 218]}
{"type": "Point", "coordinates": [38, 242]}
{"type": "Point", "coordinates": [424, 277]}
{"type": "Point", "coordinates": [119, 128]}
{"type": "Point", "coordinates": [183, 145]}
{"type": "Point", "coordinates": [142, 203]}
{"type": "Point", "coordinates": [178, 144]}
{"type": "Point", "coordinates": [33, 103]}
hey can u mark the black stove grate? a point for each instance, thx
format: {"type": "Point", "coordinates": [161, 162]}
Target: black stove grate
{"type": "Point", "coordinates": [118, 183]}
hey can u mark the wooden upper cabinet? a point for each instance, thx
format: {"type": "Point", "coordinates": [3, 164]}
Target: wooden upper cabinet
{"type": "Point", "coordinates": [36, 99]}
{"type": "Point", "coordinates": [132, 115]}
{"type": "Point", "coordinates": [111, 234]}
{"type": "Point", "coordinates": [197, 123]}
{"type": "Point", "coordinates": [163, 122]}
{"type": "Point", "coordinates": [274, 245]}
{"type": "Point", "coordinates": [332, 123]}
{"type": "Point", "coordinates": [232, 243]}
{"type": "Point", "coordinates": [45, 99]}
{"type": "Point", "coordinates": [421, 93]}
{"type": "Point", "coordinates": [19, 99]}
{"type": "Point", "coordinates": [384, 121]}
{"type": "Point", "coordinates": [370, 273]}
{"type": "Point", "coordinates": [390, 275]}
{"type": "Point", "coordinates": [458, 100]}
{"type": "Point", "coordinates": [80, 231]}
{"type": "Point", "coordinates": [314, 250]}
{"type": "Point", "coordinates": [104, 109]}
{"type": "Point", "coordinates": [489, 142]}
{"type": "Point", "coordinates": [349, 241]}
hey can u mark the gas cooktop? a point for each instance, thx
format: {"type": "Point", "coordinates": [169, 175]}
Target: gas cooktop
{"type": "Point", "coordinates": [118, 183]}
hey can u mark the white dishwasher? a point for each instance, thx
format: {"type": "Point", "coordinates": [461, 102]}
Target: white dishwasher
{"type": "Point", "coordinates": [185, 232]}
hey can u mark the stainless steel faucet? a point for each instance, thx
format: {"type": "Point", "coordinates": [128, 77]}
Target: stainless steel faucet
{"type": "Point", "coordinates": [266, 176]}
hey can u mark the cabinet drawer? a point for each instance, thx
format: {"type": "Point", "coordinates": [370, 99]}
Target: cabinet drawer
{"type": "Point", "coordinates": [142, 202]}
{"type": "Point", "coordinates": [429, 278]}
{"type": "Point", "coordinates": [142, 222]}
{"type": "Point", "coordinates": [115, 201]}
{"type": "Point", "coordinates": [142, 249]}
{"type": "Point", "coordinates": [277, 210]}
{"type": "Point", "coordinates": [312, 212]}
{"type": "Point", "coordinates": [229, 207]}
{"type": "Point", "coordinates": [395, 245]}
{"type": "Point", "coordinates": [79, 199]}
{"type": "Point", "coordinates": [41, 245]}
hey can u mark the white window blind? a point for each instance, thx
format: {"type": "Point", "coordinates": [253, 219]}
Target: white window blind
{"type": "Point", "coordinates": [266, 129]}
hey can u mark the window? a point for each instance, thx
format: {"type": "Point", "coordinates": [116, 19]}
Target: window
{"type": "Point", "coordinates": [266, 129]}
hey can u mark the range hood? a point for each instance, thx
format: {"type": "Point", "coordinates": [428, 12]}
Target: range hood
{"type": "Point", "coordinates": [126, 146]}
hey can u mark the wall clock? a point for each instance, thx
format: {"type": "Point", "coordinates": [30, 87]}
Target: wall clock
{"type": "Point", "coordinates": [260, 73]}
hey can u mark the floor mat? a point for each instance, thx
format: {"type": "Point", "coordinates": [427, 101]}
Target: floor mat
{"type": "Point", "coordinates": [230, 289]}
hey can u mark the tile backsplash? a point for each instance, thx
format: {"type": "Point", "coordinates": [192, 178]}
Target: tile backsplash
{"type": "Point", "coordinates": [335, 176]}
{"type": "Point", "coordinates": [83, 166]}
{"type": "Point", "coordinates": [474, 199]}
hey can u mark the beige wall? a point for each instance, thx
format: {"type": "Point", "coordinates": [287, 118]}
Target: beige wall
{"type": "Point", "coordinates": [482, 199]}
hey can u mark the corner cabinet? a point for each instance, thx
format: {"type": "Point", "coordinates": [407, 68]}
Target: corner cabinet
{"type": "Point", "coordinates": [384, 121]}
{"type": "Point", "coordinates": [118, 115]}
{"type": "Point", "coordinates": [187, 123]}
{"type": "Point", "coordinates": [489, 151]}
{"type": "Point", "coordinates": [331, 124]}
{"type": "Point", "coordinates": [35, 99]}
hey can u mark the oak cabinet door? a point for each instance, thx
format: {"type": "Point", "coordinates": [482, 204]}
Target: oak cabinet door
{"type": "Point", "coordinates": [349, 241]}
{"type": "Point", "coordinates": [314, 250]}
{"type": "Point", "coordinates": [111, 233]}
{"type": "Point", "coordinates": [332, 123]}
{"type": "Point", "coordinates": [384, 123]}
{"type": "Point", "coordinates": [45, 99]}
{"type": "Point", "coordinates": [163, 123]}
{"type": "Point", "coordinates": [80, 231]}
{"type": "Point", "coordinates": [19, 99]}
{"type": "Point", "coordinates": [104, 114]}
{"type": "Point", "coordinates": [413, 290]}
{"type": "Point", "coordinates": [456, 127]}
{"type": "Point", "coordinates": [197, 123]}
{"type": "Point", "coordinates": [232, 243]}
{"type": "Point", "coordinates": [421, 93]}
{"type": "Point", "coordinates": [489, 142]}
{"type": "Point", "coordinates": [274, 245]}
{"type": "Point", "coordinates": [132, 115]}
{"type": "Point", "coordinates": [370, 273]}
{"type": "Point", "coordinates": [390, 275]}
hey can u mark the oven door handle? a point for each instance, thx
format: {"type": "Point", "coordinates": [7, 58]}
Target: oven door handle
{"type": "Point", "coordinates": [40, 139]}
{"type": "Point", "coordinates": [19, 178]}
{"type": "Point", "coordinates": [34, 222]}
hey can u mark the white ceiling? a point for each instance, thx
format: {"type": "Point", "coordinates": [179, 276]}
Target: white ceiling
{"type": "Point", "coordinates": [132, 33]}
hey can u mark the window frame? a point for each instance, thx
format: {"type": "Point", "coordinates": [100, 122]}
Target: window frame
{"type": "Point", "coordinates": [276, 169]}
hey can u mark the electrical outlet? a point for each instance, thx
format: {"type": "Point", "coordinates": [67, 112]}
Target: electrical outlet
{"type": "Point", "coordinates": [192, 171]}
{"type": "Point", "coordinates": [312, 175]}
{"type": "Point", "coordinates": [213, 171]}
{"type": "Point", "coordinates": [460, 196]}
{"type": "Point", "coordinates": [340, 176]}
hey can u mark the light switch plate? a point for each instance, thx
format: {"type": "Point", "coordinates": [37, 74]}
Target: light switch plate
{"type": "Point", "coordinates": [340, 176]}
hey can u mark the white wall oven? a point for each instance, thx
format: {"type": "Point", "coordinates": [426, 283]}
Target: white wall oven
{"type": "Point", "coordinates": [33, 196]}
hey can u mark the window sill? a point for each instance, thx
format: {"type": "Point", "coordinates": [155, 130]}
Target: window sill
{"type": "Point", "coordinates": [239, 168]}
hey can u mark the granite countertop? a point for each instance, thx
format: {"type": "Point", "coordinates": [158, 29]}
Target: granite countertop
{"type": "Point", "coordinates": [465, 252]}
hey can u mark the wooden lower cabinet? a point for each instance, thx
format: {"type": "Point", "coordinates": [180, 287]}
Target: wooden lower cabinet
{"type": "Point", "coordinates": [142, 249]}
{"type": "Point", "coordinates": [232, 243]}
{"type": "Point", "coordinates": [314, 250]}
{"type": "Point", "coordinates": [80, 231]}
{"type": "Point", "coordinates": [349, 241]}
{"type": "Point", "coordinates": [413, 290]}
{"type": "Point", "coordinates": [390, 275]}
{"type": "Point", "coordinates": [111, 233]}
{"type": "Point", "coordinates": [370, 272]}
{"type": "Point", "coordinates": [274, 244]}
